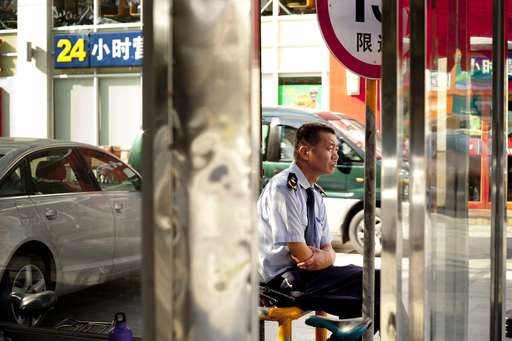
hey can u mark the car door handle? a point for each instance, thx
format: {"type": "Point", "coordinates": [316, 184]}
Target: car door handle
{"type": "Point", "coordinates": [118, 207]}
{"type": "Point", "coordinates": [50, 214]}
{"type": "Point", "coordinates": [275, 171]}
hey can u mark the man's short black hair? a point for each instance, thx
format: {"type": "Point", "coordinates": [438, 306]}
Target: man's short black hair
{"type": "Point", "coordinates": [309, 133]}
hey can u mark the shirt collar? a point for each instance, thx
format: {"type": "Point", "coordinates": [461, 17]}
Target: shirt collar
{"type": "Point", "coordinates": [300, 176]}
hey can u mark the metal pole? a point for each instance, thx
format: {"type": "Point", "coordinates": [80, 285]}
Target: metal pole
{"type": "Point", "coordinates": [499, 167]}
{"type": "Point", "coordinates": [390, 316]}
{"type": "Point", "coordinates": [417, 194]}
{"type": "Point", "coordinates": [157, 260]}
{"type": "Point", "coordinates": [215, 155]}
{"type": "Point", "coordinates": [369, 207]}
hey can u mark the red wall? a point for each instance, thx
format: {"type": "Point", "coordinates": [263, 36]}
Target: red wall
{"type": "Point", "coordinates": [339, 100]}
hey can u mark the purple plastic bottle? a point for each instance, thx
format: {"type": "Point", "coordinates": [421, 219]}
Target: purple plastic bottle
{"type": "Point", "coordinates": [120, 332]}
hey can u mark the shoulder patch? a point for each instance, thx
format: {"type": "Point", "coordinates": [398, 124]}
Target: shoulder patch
{"type": "Point", "coordinates": [320, 189]}
{"type": "Point", "coordinates": [292, 181]}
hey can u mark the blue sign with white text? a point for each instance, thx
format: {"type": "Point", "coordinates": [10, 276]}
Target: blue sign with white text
{"type": "Point", "coordinates": [116, 49]}
{"type": "Point", "coordinates": [99, 49]}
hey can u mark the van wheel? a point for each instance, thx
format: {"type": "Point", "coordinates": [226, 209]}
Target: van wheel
{"type": "Point", "coordinates": [356, 232]}
{"type": "Point", "coordinates": [25, 274]}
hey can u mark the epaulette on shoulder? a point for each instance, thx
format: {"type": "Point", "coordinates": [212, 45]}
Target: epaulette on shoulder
{"type": "Point", "coordinates": [320, 189]}
{"type": "Point", "coordinates": [292, 181]}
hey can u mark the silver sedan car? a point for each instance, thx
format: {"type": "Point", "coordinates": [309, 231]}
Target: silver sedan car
{"type": "Point", "coordinates": [70, 218]}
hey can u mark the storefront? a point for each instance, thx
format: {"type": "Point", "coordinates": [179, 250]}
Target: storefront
{"type": "Point", "coordinates": [73, 69]}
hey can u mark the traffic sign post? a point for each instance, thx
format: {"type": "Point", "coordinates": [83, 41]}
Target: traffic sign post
{"type": "Point", "coordinates": [352, 30]}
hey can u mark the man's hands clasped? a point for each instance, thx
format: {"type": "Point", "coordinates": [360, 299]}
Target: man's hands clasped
{"type": "Point", "coordinates": [320, 259]}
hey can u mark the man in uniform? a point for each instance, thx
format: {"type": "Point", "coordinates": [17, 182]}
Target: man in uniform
{"type": "Point", "coordinates": [296, 256]}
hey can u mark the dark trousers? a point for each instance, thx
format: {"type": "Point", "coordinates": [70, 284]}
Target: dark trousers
{"type": "Point", "coordinates": [337, 290]}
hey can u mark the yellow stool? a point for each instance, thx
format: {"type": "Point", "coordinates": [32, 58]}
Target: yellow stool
{"type": "Point", "coordinates": [284, 318]}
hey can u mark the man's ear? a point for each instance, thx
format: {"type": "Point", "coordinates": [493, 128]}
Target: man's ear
{"type": "Point", "coordinates": [304, 153]}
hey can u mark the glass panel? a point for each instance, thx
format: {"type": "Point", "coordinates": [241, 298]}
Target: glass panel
{"type": "Point", "coordinates": [119, 11]}
{"type": "Point", "coordinates": [120, 111]}
{"type": "Point", "coordinates": [64, 227]}
{"type": "Point", "coordinates": [508, 36]}
{"type": "Point", "coordinates": [403, 140]}
{"type": "Point", "coordinates": [458, 100]}
{"type": "Point", "coordinates": [72, 12]}
{"type": "Point", "coordinates": [8, 14]}
{"type": "Point", "coordinates": [266, 7]}
{"type": "Point", "coordinates": [14, 184]}
{"type": "Point", "coordinates": [287, 7]}
{"type": "Point", "coordinates": [111, 174]}
{"type": "Point", "coordinates": [74, 108]}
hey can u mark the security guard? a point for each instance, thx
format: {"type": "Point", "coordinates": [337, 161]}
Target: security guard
{"type": "Point", "coordinates": [296, 256]}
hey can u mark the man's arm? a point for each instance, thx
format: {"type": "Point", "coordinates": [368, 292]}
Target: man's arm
{"type": "Point", "coordinates": [300, 252]}
{"type": "Point", "coordinates": [328, 248]}
{"type": "Point", "coordinates": [310, 258]}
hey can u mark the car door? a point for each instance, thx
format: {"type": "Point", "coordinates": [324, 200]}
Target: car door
{"type": "Point", "coordinates": [120, 185]}
{"type": "Point", "coordinates": [78, 219]}
{"type": "Point", "coordinates": [19, 220]}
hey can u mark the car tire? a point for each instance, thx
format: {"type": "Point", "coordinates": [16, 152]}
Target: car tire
{"type": "Point", "coordinates": [356, 232]}
{"type": "Point", "coordinates": [14, 275]}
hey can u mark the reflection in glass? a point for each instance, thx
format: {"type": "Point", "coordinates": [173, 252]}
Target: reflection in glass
{"type": "Point", "coordinates": [8, 14]}
{"type": "Point", "coordinates": [119, 11]}
{"type": "Point", "coordinates": [457, 156]}
{"type": "Point", "coordinates": [458, 98]}
{"type": "Point", "coordinates": [266, 7]}
{"type": "Point", "coordinates": [289, 7]}
{"type": "Point", "coordinates": [81, 12]}
{"type": "Point", "coordinates": [72, 12]}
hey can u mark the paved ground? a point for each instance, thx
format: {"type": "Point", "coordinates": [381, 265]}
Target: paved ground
{"type": "Point", "coordinates": [101, 302]}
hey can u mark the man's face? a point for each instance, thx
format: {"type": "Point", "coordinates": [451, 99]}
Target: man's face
{"type": "Point", "coordinates": [323, 157]}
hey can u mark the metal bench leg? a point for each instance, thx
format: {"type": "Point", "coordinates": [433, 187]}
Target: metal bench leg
{"type": "Point", "coordinates": [262, 330]}
{"type": "Point", "coordinates": [320, 333]}
{"type": "Point", "coordinates": [284, 330]}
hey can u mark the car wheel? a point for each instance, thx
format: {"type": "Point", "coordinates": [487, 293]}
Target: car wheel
{"type": "Point", "coordinates": [356, 232]}
{"type": "Point", "coordinates": [27, 274]}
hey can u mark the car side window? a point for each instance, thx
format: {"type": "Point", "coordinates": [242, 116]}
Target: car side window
{"type": "Point", "coordinates": [110, 173]}
{"type": "Point", "coordinates": [56, 171]}
{"type": "Point", "coordinates": [13, 184]}
{"type": "Point", "coordinates": [287, 143]}
{"type": "Point", "coordinates": [348, 154]}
